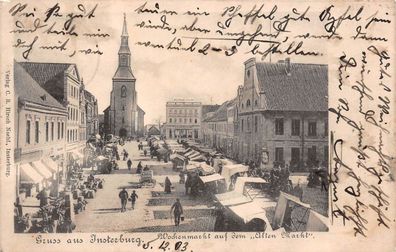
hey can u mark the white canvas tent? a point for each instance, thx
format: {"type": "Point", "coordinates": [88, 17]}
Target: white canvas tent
{"type": "Point", "coordinates": [231, 198]}
{"type": "Point", "coordinates": [317, 222]}
{"type": "Point", "coordinates": [229, 170]}
{"type": "Point", "coordinates": [282, 206]}
{"type": "Point", "coordinates": [242, 181]}
{"type": "Point", "coordinates": [252, 210]}
{"type": "Point", "coordinates": [211, 178]}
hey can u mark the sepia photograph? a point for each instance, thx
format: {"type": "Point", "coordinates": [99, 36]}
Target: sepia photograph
{"type": "Point", "coordinates": [255, 162]}
{"type": "Point", "coordinates": [197, 126]}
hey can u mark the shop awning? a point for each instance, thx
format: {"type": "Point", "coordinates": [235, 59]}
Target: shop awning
{"type": "Point", "coordinates": [50, 164]}
{"type": "Point", "coordinates": [252, 210]}
{"type": "Point", "coordinates": [188, 153]}
{"type": "Point", "coordinates": [42, 169]}
{"type": "Point", "coordinates": [229, 170]}
{"type": "Point", "coordinates": [232, 198]}
{"type": "Point", "coordinates": [29, 175]}
{"type": "Point", "coordinates": [196, 154]}
{"type": "Point", "coordinates": [241, 181]}
{"type": "Point", "coordinates": [206, 169]}
{"type": "Point", "coordinates": [211, 178]}
{"type": "Point", "coordinates": [174, 156]}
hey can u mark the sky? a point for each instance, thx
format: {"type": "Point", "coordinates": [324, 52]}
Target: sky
{"type": "Point", "coordinates": [161, 75]}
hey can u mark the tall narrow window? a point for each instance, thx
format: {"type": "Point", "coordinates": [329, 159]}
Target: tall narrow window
{"type": "Point", "coordinates": [123, 91]}
{"type": "Point", "coordinates": [63, 129]}
{"type": "Point", "coordinates": [255, 123]}
{"type": "Point", "coordinates": [295, 127]}
{"type": "Point", "coordinates": [312, 129]}
{"type": "Point", "coordinates": [28, 132]}
{"type": "Point", "coordinates": [46, 131]}
{"type": "Point", "coordinates": [279, 126]}
{"type": "Point", "coordinates": [52, 131]}
{"type": "Point", "coordinates": [59, 128]}
{"type": "Point", "coordinates": [295, 156]}
{"type": "Point", "coordinates": [37, 132]}
{"type": "Point", "coordinates": [279, 154]}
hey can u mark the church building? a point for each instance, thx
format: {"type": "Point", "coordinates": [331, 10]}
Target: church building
{"type": "Point", "coordinates": [125, 117]}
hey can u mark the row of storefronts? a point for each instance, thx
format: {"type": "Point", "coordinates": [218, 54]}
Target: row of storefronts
{"type": "Point", "coordinates": [44, 120]}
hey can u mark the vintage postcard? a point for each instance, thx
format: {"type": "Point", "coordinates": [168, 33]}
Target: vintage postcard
{"type": "Point", "coordinates": [197, 125]}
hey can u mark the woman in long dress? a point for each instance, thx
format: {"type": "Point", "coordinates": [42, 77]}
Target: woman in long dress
{"type": "Point", "coordinates": [167, 185]}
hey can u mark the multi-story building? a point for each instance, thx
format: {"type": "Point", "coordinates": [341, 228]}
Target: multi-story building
{"type": "Point", "coordinates": [183, 119]}
{"type": "Point", "coordinates": [218, 128]}
{"type": "Point", "coordinates": [282, 114]}
{"type": "Point", "coordinates": [40, 140]}
{"type": "Point", "coordinates": [91, 111]}
{"type": "Point", "coordinates": [62, 81]}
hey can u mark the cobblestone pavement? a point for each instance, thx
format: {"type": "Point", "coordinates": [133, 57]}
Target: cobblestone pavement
{"type": "Point", "coordinates": [152, 209]}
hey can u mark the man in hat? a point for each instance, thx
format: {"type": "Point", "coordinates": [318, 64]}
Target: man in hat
{"type": "Point", "coordinates": [123, 195]}
{"type": "Point", "coordinates": [177, 210]}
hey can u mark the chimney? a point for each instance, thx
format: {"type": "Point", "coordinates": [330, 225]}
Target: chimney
{"type": "Point", "coordinates": [287, 65]}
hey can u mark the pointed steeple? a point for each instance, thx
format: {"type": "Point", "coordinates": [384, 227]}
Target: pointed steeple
{"type": "Point", "coordinates": [124, 28]}
{"type": "Point", "coordinates": [124, 48]}
{"type": "Point", "coordinates": [124, 70]}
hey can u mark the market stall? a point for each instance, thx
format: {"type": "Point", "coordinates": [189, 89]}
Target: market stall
{"type": "Point", "coordinates": [213, 184]}
{"type": "Point", "coordinates": [252, 215]}
{"type": "Point", "coordinates": [229, 170]}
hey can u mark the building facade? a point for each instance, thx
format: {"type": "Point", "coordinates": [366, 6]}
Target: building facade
{"type": "Point", "coordinates": [126, 118]}
{"type": "Point", "coordinates": [91, 111]}
{"type": "Point", "coordinates": [62, 81]}
{"type": "Point", "coordinates": [281, 115]}
{"type": "Point", "coordinates": [218, 128]}
{"type": "Point", "coordinates": [183, 119]}
{"type": "Point", "coordinates": [40, 141]}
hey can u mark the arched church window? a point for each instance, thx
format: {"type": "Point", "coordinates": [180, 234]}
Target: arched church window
{"type": "Point", "coordinates": [248, 103]}
{"type": "Point", "coordinates": [123, 91]}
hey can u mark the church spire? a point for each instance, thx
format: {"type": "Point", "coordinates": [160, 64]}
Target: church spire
{"type": "Point", "coordinates": [124, 28]}
{"type": "Point", "coordinates": [124, 48]}
{"type": "Point", "coordinates": [124, 70]}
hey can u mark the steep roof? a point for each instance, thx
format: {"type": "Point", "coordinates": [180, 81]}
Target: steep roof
{"type": "Point", "coordinates": [140, 109]}
{"type": "Point", "coordinates": [209, 108]}
{"type": "Point", "coordinates": [124, 73]}
{"type": "Point", "coordinates": [304, 89]}
{"type": "Point", "coordinates": [50, 76]}
{"type": "Point", "coordinates": [221, 113]}
{"type": "Point", "coordinates": [27, 89]}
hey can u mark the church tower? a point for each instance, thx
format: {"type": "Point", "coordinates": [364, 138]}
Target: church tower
{"type": "Point", "coordinates": [123, 105]}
